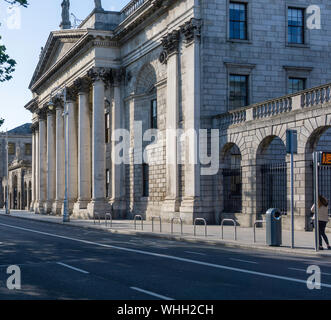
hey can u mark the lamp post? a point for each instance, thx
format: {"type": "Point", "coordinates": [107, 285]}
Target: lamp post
{"type": "Point", "coordinates": [66, 217]}
{"type": "Point", "coordinates": [7, 173]}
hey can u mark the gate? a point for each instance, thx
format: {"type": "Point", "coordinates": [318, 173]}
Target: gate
{"type": "Point", "coordinates": [232, 190]}
{"type": "Point", "coordinates": [274, 186]}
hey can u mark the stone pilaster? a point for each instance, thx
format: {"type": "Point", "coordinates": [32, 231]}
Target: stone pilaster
{"type": "Point", "coordinates": [118, 174]}
{"type": "Point", "coordinates": [36, 156]}
{"type": "Point", "coordinates": [169, 56]}
{"type": "Point", "coordinates": [98, 203]}
{"type": "Point", "coordinates": [34, 129]}
{"type": "Point", "coordinates": [190, 205]}
{"type": "Point", "coordinates": [82, 86]}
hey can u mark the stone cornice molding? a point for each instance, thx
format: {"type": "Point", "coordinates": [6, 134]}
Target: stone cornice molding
{"type": "Point", "coordinates": [191, 30]}
{"type": "Point", "coordinates": [32, 106]}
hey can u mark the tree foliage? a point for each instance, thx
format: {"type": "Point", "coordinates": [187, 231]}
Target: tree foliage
{"type": "Point", "coordinates": [7, 65]}
{"type": "Point", "coordinates": [1, 121]}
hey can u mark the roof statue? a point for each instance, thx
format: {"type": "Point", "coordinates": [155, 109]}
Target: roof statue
{"type": "Point", "coordinates": [98, 5]}
{"type": "Point", "coordinates": [65, 24]}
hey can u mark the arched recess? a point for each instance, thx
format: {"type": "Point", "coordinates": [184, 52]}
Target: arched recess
{"type": "Point", "coordinates": [271, 175]}
{"type": "Point", "coordinates": [29, 195]}
{"type": "Point", "coordinates": [231, 179]}
{"type": "Point", "coordinates": [145, 112]}
{"type": "Point", "coordinates": [319, 140]}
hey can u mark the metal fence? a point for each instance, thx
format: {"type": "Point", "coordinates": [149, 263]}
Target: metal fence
{"type": "Point", "coordinates": [274, 186]}
{"type": "Point", "coordinates": [324, 183]}
{"type": "Point", "coordinates": [232, 190]}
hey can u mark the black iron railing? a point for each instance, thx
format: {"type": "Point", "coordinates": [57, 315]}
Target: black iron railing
{"type": "Point", "coordinates": [274, 186]}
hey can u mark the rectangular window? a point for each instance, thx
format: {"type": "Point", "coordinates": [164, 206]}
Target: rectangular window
{"type": "Point", "coordinates": [154, 114]}
{"type": "Point", "coordinates": [11, 148]}
{"type": "Point", "coordinates": [238, 91]}
{"type": "Point", "coordinates": [28, 149]}
{"type": "Point", "coordinates": [107, 127]}
{"type": "Point", "coordinates": [296, 84]}
{"type": "Point", "coordinates": [296, 25]}
{"type": "Point", "coordinates": [238, 21]}
{"type": "Point", "coordinates": [145, 180]}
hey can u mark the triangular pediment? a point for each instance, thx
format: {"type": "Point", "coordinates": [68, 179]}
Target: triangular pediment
{"type": "Point", "coordinates": [59, 43]}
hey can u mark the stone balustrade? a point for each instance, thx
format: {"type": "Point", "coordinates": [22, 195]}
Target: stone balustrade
{"type": "Point", "coordinates": [131, 7]}
{"type": "Point", "coordinates": [266, 109]}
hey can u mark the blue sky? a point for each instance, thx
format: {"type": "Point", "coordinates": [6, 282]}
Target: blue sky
{"type": "Point", "coordinates": [23, 44]}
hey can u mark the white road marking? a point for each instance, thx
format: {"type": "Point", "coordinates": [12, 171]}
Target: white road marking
{"type": "Point", "coordinates": [198, 253]}
{"type": "Point", "coordinates": [151, 293]}
{"type": "Point", "coordinates": [72, 268]}
{"type": "Point", "coordinates": [158, 255]}
{"type": "Point", "coordinates": [246, 261]}
{"type": "Point", "coordinates": [303, 270]}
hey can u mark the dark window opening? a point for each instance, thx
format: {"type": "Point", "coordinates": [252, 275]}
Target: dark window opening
{"type": "Point", "coordinates": [154, 114]}
{"type": "Point", "coordinates": [145, 168]}
{"type": "Point", "coordinates": [296, 29]}
{"type": "Point", "coordinates": [238, 91]}
{"type": "Point", "coordinates": [296, 84]}
{"type": "Point", "coordinates": [238, 21]}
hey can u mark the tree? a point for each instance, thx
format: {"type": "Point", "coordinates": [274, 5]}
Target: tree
{"type": "Point", "coordinates": [7, 65]}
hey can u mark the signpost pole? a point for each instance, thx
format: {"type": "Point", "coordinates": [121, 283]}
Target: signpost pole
{"type": "Point", "coordinates": [316, 164]}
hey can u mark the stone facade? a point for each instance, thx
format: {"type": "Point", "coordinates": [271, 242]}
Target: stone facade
{"type": "Point", "coordinates": [19, 169]}
{"type": "Point", "coordinates": [106, 74]}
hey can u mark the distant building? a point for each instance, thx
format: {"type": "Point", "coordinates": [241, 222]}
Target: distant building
{"type": "Point", "coordinates": [20, 160]}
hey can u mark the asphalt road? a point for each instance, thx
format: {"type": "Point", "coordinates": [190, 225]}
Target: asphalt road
{"type": "Point", "coordinates": [63, 262]}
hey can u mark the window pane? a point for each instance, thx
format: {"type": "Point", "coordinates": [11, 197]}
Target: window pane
{"type": "Point", "coordinates": [238, 21]}
{"type": "Point", "coordinates": [238, 91]}
{"type": "Point", "coordinates": [154, 114]}
{"type": "Point", "coordinates": [296, 84]}
{"type": "Point", "coordinates": [295, 25]}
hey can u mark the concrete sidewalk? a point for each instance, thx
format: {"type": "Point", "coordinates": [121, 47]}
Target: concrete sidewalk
{"type": "Point", "coordinates": [304, 241]}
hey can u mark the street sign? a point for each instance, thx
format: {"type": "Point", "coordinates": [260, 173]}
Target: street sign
{"type": "Point", "coordinates": [326, 159]}
{"type": "Point", "coordinates": [291, 141]}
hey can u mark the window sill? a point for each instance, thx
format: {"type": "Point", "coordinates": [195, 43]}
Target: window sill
{"type": "Point", "coordinates": [297, 45]}
{"type": "Point", "coordinates": [239, 41]}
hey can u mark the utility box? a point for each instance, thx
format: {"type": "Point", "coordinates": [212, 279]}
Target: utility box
{"type": "Point", "coordinates": [274, 227]}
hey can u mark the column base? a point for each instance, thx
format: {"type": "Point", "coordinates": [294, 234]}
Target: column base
{"type": "Point", "coordinates": [39, 207]}
{"type": "Point", "coordinates": [48, 207]}
{"type": "Point", "coordinates": [169, 208]}
{"type": "Point", "coordinates": [190, 209]}
{"type": "Point", "coordinates": [57, 207]}
{"type": "Point", "coordinates": [31, 209]}
{"type": "Point", "coordinates": [98, 206]}
{"type": "Point", "coordinates": [80, 209]}
{"type": "Point", "coordinates": [118, 207]}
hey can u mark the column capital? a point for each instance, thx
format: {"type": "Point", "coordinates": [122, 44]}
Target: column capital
{"type": "Point", "coordinates": [191, 30]}
{"type": "Point", "coordinates": [82, 85]}
{"type": "Point", "coordinates": [99, 74]}
{"type": "Point", "coordinates": [71, 94]}
{"type": "Point", "coordinates": [42, 113]}
{"type": "Point", "coordinates": [118, 76]}
{"type": "Point", "coordinates": [170, 44]}
{"type": "Point", "coordinates": [34, 127]}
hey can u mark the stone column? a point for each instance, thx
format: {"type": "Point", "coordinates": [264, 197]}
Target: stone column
{"type": "Point", "coordinates": [190, 205]}
{"type": "Point", "coordinates": [118, 190]}
{"type": "Point", "coordinates": [60, 161]}
{"type": "Point", "coordinates": [36, 179]}
{"type": "Point", "coordinates": [72, 119]}
{"type": "Point", "coordinates": [98, 203]}
{"type": "Point", "coordinates": [84, 149]}
{"type": "Point", "coordinates": [42, 168]}
{"type": "Point", "coordinates": [51, 157]}
{"type": "Point", "coordinates": [33, 178]}
{"type": "Point", "coordinates": [170, 55]}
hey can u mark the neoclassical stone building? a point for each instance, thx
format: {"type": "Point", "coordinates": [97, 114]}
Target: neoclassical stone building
{"type": "Point", "coordinates": [19, 168]}
{"type": "Point", "coordinates": [170, 64]}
